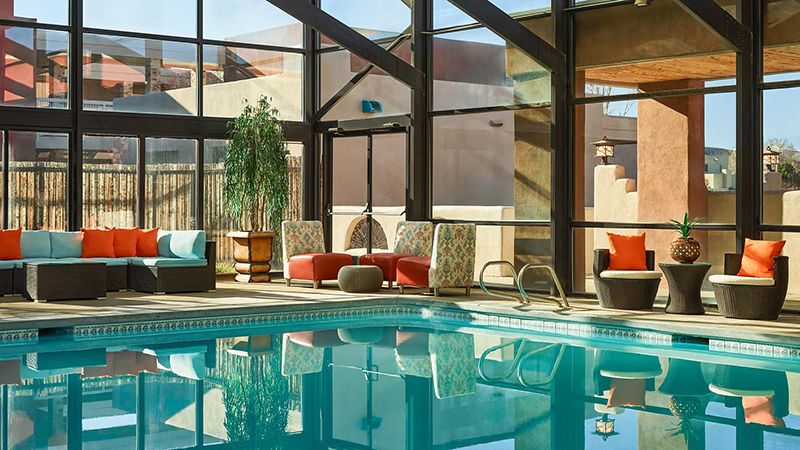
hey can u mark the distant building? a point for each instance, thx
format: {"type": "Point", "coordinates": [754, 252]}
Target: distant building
{"type": "Point", "coordinates": [720, 172]}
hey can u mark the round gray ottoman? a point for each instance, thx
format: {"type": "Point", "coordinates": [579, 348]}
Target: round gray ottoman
{"type": "Point", "coordinates": [368, 335]}
{"type": "Point", "coordinates": [360, 279]}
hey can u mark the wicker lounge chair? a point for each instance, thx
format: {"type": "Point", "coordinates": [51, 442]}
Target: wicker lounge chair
{"type": "Point", "coordinates": [751, 298]}
{"type": "Point", "coordinates": [628, 289]}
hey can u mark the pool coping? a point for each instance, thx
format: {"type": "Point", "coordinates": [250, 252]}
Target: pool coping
{"type": "Point", "coordinates": [722, 329]}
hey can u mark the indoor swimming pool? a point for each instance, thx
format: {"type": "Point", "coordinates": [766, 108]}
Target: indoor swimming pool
{"type": "Point", "coordinates": [409, 383]}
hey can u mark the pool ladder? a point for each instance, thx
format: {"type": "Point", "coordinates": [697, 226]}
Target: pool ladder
{"type": "Point", "coordinates": [524, 297]}
{"type": "Point", "coordinates": [519, 362]}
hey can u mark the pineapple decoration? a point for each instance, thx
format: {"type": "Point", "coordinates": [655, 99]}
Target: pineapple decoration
{"type": "Point", "coordinates": [684, 408]}
{"type": "Point", "coordinates": [685, 249]}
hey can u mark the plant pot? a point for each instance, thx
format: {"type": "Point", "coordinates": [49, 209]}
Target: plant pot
{"type": "Point", "coordinates": [252, 251]}
{"type": "Point", "coordinates": [685, 250]}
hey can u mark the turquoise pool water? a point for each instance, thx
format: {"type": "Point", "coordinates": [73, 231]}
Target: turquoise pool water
{"type": "Point", "coordinates": [407, 384]}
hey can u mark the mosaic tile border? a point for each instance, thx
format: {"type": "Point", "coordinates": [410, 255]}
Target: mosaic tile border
{"type": "Point", "coordinates": [411, 312]}
{"type": "Point", "coordinates": [169, 326]}
{"type": "Point", "coordinates": [19, 337]}
{"type": "Point", "coordinates": [754, 349]}
{"type": "Point", "coordinates": [559, 328]}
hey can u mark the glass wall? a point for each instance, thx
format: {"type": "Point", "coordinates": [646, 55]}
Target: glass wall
{"type": "Point", "coordinates": [34, 68]}
{"type": "Point", "coordinates": [170, 167]}
{"type": "Point", "coordinates": [37, 180]}
{"type": "Point", "coordinates": [109, 181]}
{"type": "Point", "coordinates": [233, 76]}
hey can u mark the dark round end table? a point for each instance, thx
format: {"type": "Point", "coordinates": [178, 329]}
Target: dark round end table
{"type": "Point", "coordinates": [685, 282]}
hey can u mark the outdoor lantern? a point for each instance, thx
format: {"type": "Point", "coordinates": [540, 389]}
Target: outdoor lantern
{"type": "Point", "coordinates": [771, 159]}
{"type": "Point", "coordinates": [604, 149]}
{"type": "Point", "coordinates": [604, 427]}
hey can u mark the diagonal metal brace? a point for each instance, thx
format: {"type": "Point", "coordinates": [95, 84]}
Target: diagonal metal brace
{"type": "Point", "coordinates": [357, 78]}
{"type": "Point", "coordinates": [350, 39]}
{"type": "Point", "coordinates": [515, 33]}
{"type": "Point", "coordinates": [724, 25]}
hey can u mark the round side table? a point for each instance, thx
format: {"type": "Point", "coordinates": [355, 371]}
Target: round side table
{"type": "Point", "coordinates": [685, 282]}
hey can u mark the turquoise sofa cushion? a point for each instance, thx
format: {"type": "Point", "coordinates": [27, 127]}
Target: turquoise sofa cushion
{"type": "Point", "coordinates": [35, 244]}
{"type": "Point", "coordinates": [19, 262]}
{"type": "Point", "coordinates": [5, 265]}
{"type": "Point", "coordinates": [168, 262]}
{"type": "Point", "coordinates": [66, 244]}
{"type": "Point", "coordinates": [188, 244]}
{"type": "Point", "coordinates": [113, 262]}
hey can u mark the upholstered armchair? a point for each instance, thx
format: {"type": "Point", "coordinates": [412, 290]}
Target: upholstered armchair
{"type": "Point", "coordinates": [451, 265]}
{"type": "Point", "coordinates": [304, 255]}
{"type": "Point", "coordinates": [625, 289]}
{"type": "Point", "coordinates": [750, 297]}
{"type": "Point", "coordinates": [411, 239]}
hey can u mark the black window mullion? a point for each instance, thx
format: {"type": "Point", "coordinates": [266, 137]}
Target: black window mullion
{"type": "Point", "coordinates": [6, 155]}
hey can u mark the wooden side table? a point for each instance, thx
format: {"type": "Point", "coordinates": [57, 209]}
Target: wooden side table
{"type": "Point", "coordinates": [685, 282]}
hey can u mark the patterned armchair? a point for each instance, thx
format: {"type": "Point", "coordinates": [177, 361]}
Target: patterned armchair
{"type": "Point", "coordinates": [451, 265]}
{"type": "Point", "coordinates": [304, 256]}
{"type": "Point", "coordinates": [412, 239]}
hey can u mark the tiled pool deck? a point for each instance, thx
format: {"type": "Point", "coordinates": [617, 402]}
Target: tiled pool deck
{"type": "Point", "coordinates": [232, 299]}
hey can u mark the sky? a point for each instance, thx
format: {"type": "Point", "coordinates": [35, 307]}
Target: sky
{"type": "Point", "coordinates": [226, 18]}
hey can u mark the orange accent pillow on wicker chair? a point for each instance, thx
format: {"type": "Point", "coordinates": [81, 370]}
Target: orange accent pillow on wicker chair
{"type": "Point", "coordinates": [97, 243]}
{"type": "Point", "coordinates": [761, 410]}
{"type": "Point", "coordinates": [758, 259]}
{"type": "Point", "coordinates": [9, 244]}
{"type": "Point", "coordinates": [627, 393]}
{"type": "Point", "coordinates": [627, 252]}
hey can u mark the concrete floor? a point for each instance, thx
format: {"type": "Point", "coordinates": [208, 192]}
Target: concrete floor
{"type": "Point", "coordinates": [232, 298]}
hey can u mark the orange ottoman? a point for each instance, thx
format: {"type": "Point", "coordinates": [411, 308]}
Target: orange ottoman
{"type": "Point", "coordinates": [386, 261]}
{"type": "Point", "coordinates": [317, 267]}
{"type": "Point", "coordinates": [413, 271]}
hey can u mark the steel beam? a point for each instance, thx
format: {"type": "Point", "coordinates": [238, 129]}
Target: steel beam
{"type": "Point", "coordinates": [350, 39]}
{"type": "Point", "coordinates": [358, 78]}
{"type": "Point", "coordinates": [749, 107]}
{"type": "Point", "coordinates": [515, 33]}
{"type": "Point", "coordinates": [724, 25]}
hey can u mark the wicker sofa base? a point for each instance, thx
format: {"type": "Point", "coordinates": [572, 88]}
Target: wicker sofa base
{"type": "Point", "coordinates": [626, 294]}
{"type": "Point", "coordinates": [64, 281]}
{"type": "Point", "coordinates": [746, 302]}
{"type": "Point", "coordinates": [162, 280]}
{"type": "Point", "coordinates": [7, 282]}
{"type": "Point", "coordinates": [116, 278]}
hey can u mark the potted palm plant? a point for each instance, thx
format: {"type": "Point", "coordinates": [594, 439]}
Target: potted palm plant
{"type": "Point", "coordinates": [256, 187]}
{"type": "Point", "coordinates": [685, 249]}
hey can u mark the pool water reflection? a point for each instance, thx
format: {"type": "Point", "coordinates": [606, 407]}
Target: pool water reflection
{"type": "Point", "coordinates": [395, 388]}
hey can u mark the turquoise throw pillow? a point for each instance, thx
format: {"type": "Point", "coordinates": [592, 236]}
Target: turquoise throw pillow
{"type": "Point", "coordinates": [188, 244]}
{"type": "Point", "coordinates": [66, 244]}
{"type": "Point", "coordinates": [35, 244]}
{"type": "Point", "coordinates": [163, 243]}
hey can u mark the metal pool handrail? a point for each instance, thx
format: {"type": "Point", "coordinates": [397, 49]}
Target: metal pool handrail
{"type": "Point", "coordinates": [524, 296]}
{"type": "Point", "coordinates": [519, 362]}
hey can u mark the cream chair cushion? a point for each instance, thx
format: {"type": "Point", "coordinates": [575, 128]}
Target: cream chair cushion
{"type": "Point", "coordinates": [741, 281]}
{"type": "Point", "coordinates": [631, 274]}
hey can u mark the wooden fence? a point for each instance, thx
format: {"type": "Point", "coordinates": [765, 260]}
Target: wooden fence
{"type": "Point", "coordinates": [37, 197]}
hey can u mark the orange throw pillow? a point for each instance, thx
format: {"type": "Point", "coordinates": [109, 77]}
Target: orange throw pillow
{"type": "Point", "coordinates": [761, 410]}
{"type": "Point", "coordinates": [9, 244]}
{"type": "Point", "coordinates": [759, 258]}
{"type": "Point", "coordinates": [147, 243]}
{"type": "Point", "coordinates": [627, 393]}
{"type": "Point", "coordinates": [627, 252]}
{"type": "Point", "coordinates": [97, 243]}
{"type": "Point", "coordinates": [125, 241]}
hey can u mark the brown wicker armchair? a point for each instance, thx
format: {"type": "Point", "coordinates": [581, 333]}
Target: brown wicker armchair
{"type": "Point", "coordinates": [748, 301]}
{"type": "Point", "coordinates": [628, 292]}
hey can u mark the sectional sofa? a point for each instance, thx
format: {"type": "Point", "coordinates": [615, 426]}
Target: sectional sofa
{"type": "Point", "coordinates": [186, 262]}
